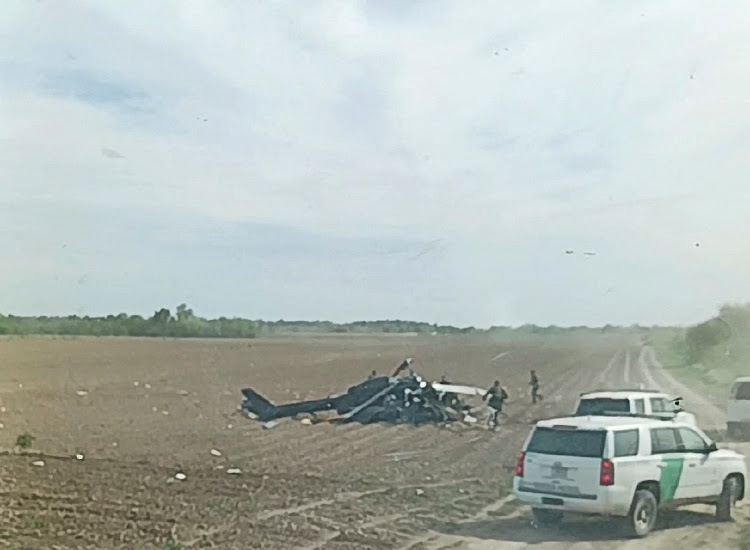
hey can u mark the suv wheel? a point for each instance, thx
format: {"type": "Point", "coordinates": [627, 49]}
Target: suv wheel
{"type": "Point", "coordinates": [546, 518]}
{"type": "Point", "coordinates": [643, 512]}
{"type": "Point", "coordinates": [727, 500]}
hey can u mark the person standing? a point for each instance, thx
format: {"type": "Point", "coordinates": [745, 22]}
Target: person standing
{"type": "Point", "coordinates": [495, 397]}
{"type": "Point", "coordinates": [534, 383]}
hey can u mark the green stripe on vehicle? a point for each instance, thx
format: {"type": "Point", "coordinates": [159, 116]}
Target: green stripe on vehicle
{"type": "Point", "coordinates": [671, 473]}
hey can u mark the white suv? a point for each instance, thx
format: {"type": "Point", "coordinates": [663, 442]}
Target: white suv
{"type": "Point", "coordinates": [631, 402]}
{"type": "Point", "coordinates": [624, 466]}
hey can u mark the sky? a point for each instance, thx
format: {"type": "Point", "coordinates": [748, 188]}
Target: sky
{"type": "Point", "coordinates": [350, 160]}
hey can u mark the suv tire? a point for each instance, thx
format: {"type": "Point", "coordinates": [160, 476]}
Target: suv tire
{"type": "Point", "coordinates": [643, 513]}
{"type": "Point", "coordinates": [727, 499]}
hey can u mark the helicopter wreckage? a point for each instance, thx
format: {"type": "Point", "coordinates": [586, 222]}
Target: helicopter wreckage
{"type": "Point", "coordinates": [406, 399]}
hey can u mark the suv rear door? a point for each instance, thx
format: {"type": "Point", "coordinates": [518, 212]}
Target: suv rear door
{"type": "Point", "coordinates": [564, 461]}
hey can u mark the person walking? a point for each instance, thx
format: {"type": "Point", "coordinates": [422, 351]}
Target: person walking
{"type": "Point", "coordinates": [495, 397]}
{"type": "Point", "coordinates": [534, 383]}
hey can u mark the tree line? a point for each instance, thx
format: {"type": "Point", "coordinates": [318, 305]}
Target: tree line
{"type": "Point", "coordinates": [727, 329]}
{"type": "Point", "coordinates": [184, 323]}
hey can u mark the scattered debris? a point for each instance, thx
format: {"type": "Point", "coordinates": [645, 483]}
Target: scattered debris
{"type": "Point", "coordinates": [419, 492]}
{"type": "Point", "coordinates": [38, 463]}
{"type": "Point", "coordinates": [215, 452]}
{"type": "Point", "coordinates": [179, 476]}
{"type": "Point", "coordinates": [147, 386]}
{"type": "Point", "coordinates": [234, 471]}
{"type": "Point", "coordinates": [79, 456]}
{"type": "Point", "coordinates": [136, 384]}
{"type": "Point", "coordinates": [165, 413]}
{"type": "Point", "coordinates": [82, 393]}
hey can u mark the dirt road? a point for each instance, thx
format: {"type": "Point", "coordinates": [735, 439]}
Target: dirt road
{"type": "Point", "coordinates": [141, 410]}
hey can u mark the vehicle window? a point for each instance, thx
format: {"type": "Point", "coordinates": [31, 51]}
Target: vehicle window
{"type": "Point", "coordinates": [568, 442]}
{"type": "Point", "coordinates": [602, 406]}
{"type": "Point", "coordinates": [659, 404]}
{"type": "Point", "coordinates": [640, 406]}
{"type": "Point", "coordinates": [626, 443]}
{"type": "Point", "coordinates": [691, 441]}
{"type": "Point", "coordinates": [663, 440]}
{"type": "Point", "coordinates": [741, 391]}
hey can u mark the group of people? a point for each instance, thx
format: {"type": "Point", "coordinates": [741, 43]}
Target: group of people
{"type": "Point", "coordinates": [496, 396]}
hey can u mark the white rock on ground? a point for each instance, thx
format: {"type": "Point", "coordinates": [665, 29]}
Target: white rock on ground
{"type": "Point", "coordinates": [419, 492]}
{"type": "Point", "coordinates": [179, 476]}
{"type": "Point", "coordinates": [38, 463]}
{"type": "Point", "coordinates": [82, 393]}
{"type": "Point", "coordinates": [234, 471]}
{"type": "Point", "coordinates": [306, 422]}
{"type": "Point", "coordinates": [215, 452]}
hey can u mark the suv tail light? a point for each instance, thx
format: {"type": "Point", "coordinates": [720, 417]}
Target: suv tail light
{"type": "Point", "coordinates": [607, 473]}
{"type": "Point", "coordinates": [519, 464]}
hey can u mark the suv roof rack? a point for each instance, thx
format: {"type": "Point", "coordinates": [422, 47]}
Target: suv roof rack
{"type": "Point", "coordinates": [641, 390]}
{"type": "Point", "coordinates": [663, 416]}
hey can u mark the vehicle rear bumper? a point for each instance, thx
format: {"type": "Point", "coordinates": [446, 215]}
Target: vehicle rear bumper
{"type": "Point", "coordinates": [609, 501]}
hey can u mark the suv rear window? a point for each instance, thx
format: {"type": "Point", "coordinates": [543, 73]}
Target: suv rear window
{"type": "Point", "coordinates": [601, 405]}
{"type": "Point", "coordinates": [567, 442]}
{"type": "Point", "coordinates": [626, 443]}
{"type": "Point", "coordinates": [741, 391]}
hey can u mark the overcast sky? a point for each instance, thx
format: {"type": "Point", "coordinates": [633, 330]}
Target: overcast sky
{"type": "Point", "coordinates": [429, 160]}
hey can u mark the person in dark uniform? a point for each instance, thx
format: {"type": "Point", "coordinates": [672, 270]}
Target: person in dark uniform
{"type": "Point", "coordinates": [495, 397]}
{"type": "Point", "coordinates": [534, 383]}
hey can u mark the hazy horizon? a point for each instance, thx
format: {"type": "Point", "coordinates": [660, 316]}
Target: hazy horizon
{"type": "Point", "coordinates": [428, 161]}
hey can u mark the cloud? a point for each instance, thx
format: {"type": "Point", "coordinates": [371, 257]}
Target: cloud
{"type": "Point", "coordinates": [507, 137]}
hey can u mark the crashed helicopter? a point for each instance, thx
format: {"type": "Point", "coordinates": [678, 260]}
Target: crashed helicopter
{"type": "Point", "coordinates": [394, 399]}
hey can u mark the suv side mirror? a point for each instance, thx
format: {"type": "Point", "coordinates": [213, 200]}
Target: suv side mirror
{"type": "Point", "coordinates": [712, 447]}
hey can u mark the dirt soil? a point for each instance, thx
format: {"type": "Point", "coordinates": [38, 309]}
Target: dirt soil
{"type": "Point", "coordinates": [141, 410]}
